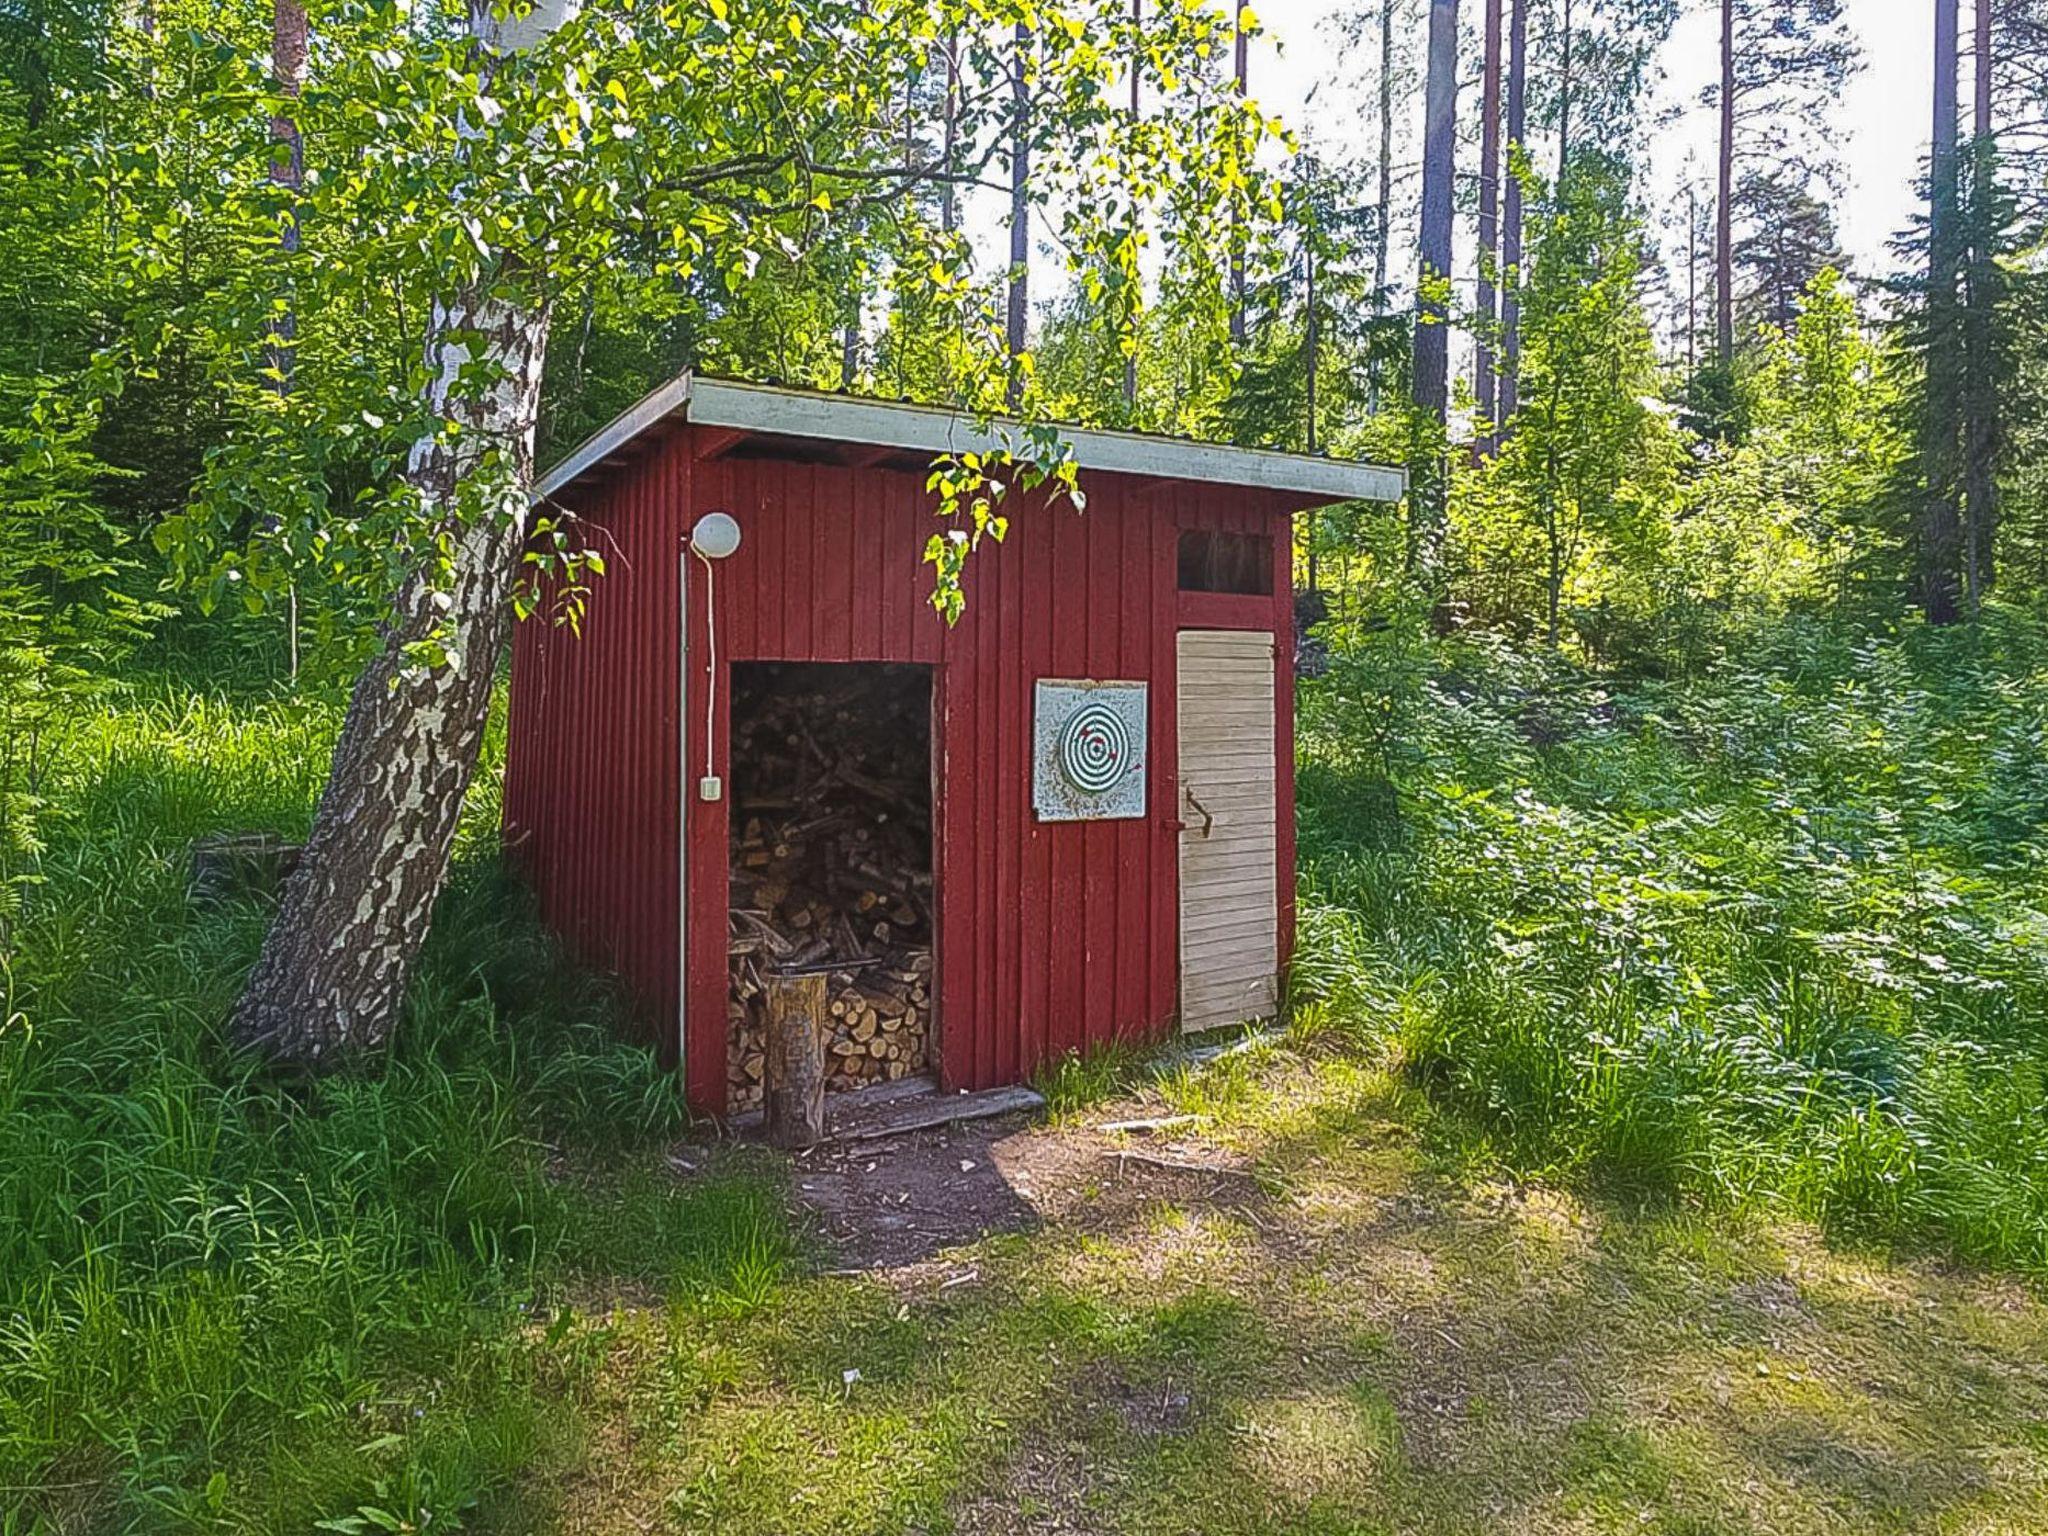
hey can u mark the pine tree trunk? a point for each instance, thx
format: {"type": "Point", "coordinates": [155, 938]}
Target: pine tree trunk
{"type": "Point", "coordinates": [1564, 93]}
{"type": "Point", "coordinates": [1386, 167]}
{"type": "Point", "coordinates": [1724, 210]}
{"type": "Point", "coordinates": [1241, 63]}
{"type": "Point", "coordinates": [1137, 111]}
{"type": "Point", "coordinates": [1509, 388]}
{"type": "Point", "coordinates": [1019, 309]}
{"type": "Point", "coordinates": [949, 151]}
{"type": "Point", "coordinates": [1439, 144]}
{"type": "Point", "coordinates": [1432, 313]}
{"type": "Point", "coordinates": [331, 980]}
{"type": "Point", "coordinates": [1940, 524]}
{"type": "Point", "coordinates": [1489, 224]}
{"type": "Point", "coordinates": [1981, 436]}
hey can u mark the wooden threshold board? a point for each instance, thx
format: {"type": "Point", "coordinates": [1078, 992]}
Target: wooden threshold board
{"type": "Point", "coordinates": [909, 1104]}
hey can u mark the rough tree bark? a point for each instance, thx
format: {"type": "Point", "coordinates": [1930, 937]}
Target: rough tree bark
{"type": "Point", "coordinates": [1489, 225]}
{"type": "Point", "coordinates": [1940, 523]}
{"type": "Point", "coordinates": [1724, 206]}
{"type": "Point", "coordinates": [332, 977]}
{"type": "Point", "coordinates": [1509, 388]}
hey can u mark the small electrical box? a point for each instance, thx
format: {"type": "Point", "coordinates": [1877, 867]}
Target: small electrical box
{"type": "Point", "coordinates": [710, 787]}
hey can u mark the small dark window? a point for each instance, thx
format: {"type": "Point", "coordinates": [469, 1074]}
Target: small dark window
{"type": "Point", "coordinates": [1226, 562]}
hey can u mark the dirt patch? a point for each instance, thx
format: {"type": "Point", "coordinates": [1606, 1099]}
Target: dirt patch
{"type": "Point", "coordinates": [892, 1204]}
{"type": "Point", "coordinates": [1148, 1410]}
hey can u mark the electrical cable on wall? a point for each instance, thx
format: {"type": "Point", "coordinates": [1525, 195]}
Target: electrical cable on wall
{"type": "Point", "coordinates": [710, 666]}
{"type": "Point", "coordinates": [715, 537]}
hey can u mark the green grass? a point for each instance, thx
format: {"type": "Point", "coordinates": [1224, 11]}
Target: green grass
{"type": "Point", "coordinates": [227, 1303]}
{"type": "Point", "coordinates": [1603, 991]}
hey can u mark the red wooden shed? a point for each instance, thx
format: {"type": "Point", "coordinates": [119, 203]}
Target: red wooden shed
{"type": "Point", "coordinates": [1108, 729]}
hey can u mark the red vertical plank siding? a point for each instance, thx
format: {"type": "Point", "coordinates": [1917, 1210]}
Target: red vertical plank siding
{"type": "Point", "coordinates": [1003, 582]}
{"type": "Point", "coordinates": [590, 810]}
{"type": "Point", "coordinates": [1050, 936]}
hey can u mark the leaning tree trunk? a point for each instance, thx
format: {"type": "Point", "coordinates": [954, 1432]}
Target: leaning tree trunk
{"type": "Point", "coordinates": [332, 977]}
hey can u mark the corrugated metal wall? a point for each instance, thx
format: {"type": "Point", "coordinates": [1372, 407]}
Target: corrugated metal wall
{"type": "Point", "coordinates": [1050, 935]}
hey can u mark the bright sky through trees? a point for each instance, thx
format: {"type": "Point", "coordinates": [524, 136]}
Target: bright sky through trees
{"type": "Point", "coordinates": [1881, 121]}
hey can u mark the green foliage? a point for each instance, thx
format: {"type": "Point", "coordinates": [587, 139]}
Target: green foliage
{"type": "Point", "coordinates": [70, 617]}
{"type": "Point", "coordinates": [1773, 937]}
{"type": "Point", "coordinates": [1787, 515]}
{"type": "Point", "coordinates": [739, 180]}
{"type": "Point", "coordinates": [1585, 484]}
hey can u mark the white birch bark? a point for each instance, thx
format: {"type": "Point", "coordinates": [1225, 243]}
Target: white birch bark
{"type": "Point", "coordinates": [332, 977]}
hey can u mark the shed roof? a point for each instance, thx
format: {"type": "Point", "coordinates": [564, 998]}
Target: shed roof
{"type": "Point", "coordinates": [765, 411]}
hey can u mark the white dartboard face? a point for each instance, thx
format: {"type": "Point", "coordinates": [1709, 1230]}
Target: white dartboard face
{"type": "Point", "coordinates": [1088, 751]}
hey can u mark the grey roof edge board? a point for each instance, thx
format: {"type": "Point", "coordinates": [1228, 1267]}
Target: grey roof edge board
{"type": "Point", "coordinates": [936, 429]}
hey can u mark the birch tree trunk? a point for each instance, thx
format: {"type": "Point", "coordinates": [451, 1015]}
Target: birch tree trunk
{"type": "Point", "coordinates": [331, 980]}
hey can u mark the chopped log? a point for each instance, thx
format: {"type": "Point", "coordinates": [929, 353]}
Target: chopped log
{"type": "Point", "coordinates": [795, 1101]}
{"type": "Point", "coordinates": [240, 864]}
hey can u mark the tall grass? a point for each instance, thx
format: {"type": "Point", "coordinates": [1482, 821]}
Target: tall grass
{"type": "Point", "coordinates": [231, 1302]}
{"type": "Point", "coordinates": [1775, 937]}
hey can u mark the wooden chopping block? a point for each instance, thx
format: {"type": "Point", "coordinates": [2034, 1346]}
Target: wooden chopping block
{"type": "Point", "coordinates": [795, 1099]}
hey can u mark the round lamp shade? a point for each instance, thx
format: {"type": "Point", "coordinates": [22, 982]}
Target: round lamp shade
{"type": "Point", "coordinates": [715, 536]}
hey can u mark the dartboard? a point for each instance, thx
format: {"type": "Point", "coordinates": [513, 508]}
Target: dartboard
{"type": "Point", "coordinates": [1095, 749]}
{"type": "Point", "coordinates": [1088, 749]}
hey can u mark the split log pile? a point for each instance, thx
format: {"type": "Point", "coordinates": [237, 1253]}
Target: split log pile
{"type": "Point", "coordinates": [831, 868]}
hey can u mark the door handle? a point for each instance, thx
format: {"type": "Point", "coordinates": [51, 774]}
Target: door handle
{"type": "Point", "coordinates": [1201, 810]}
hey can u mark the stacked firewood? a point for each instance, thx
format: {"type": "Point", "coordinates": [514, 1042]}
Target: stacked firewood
{"type": "Point", "coordinates": [831, 870]}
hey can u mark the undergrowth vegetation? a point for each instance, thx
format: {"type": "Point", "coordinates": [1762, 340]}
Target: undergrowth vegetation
{"type": "Point", "coordinates": [233, 1302]}
{"type": "Point", "coordinates": [1773, 938]}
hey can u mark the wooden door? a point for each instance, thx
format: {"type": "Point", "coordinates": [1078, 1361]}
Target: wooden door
{"type": "Point", "coordinates": [1229, 882]}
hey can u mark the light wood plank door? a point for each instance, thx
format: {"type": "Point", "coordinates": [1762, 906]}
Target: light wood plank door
{"type": "Point", "coordinates": [1229, 882]}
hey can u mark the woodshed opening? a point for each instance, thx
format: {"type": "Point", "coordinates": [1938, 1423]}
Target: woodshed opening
{"type": "Point", "coordinates": [832, 863]}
